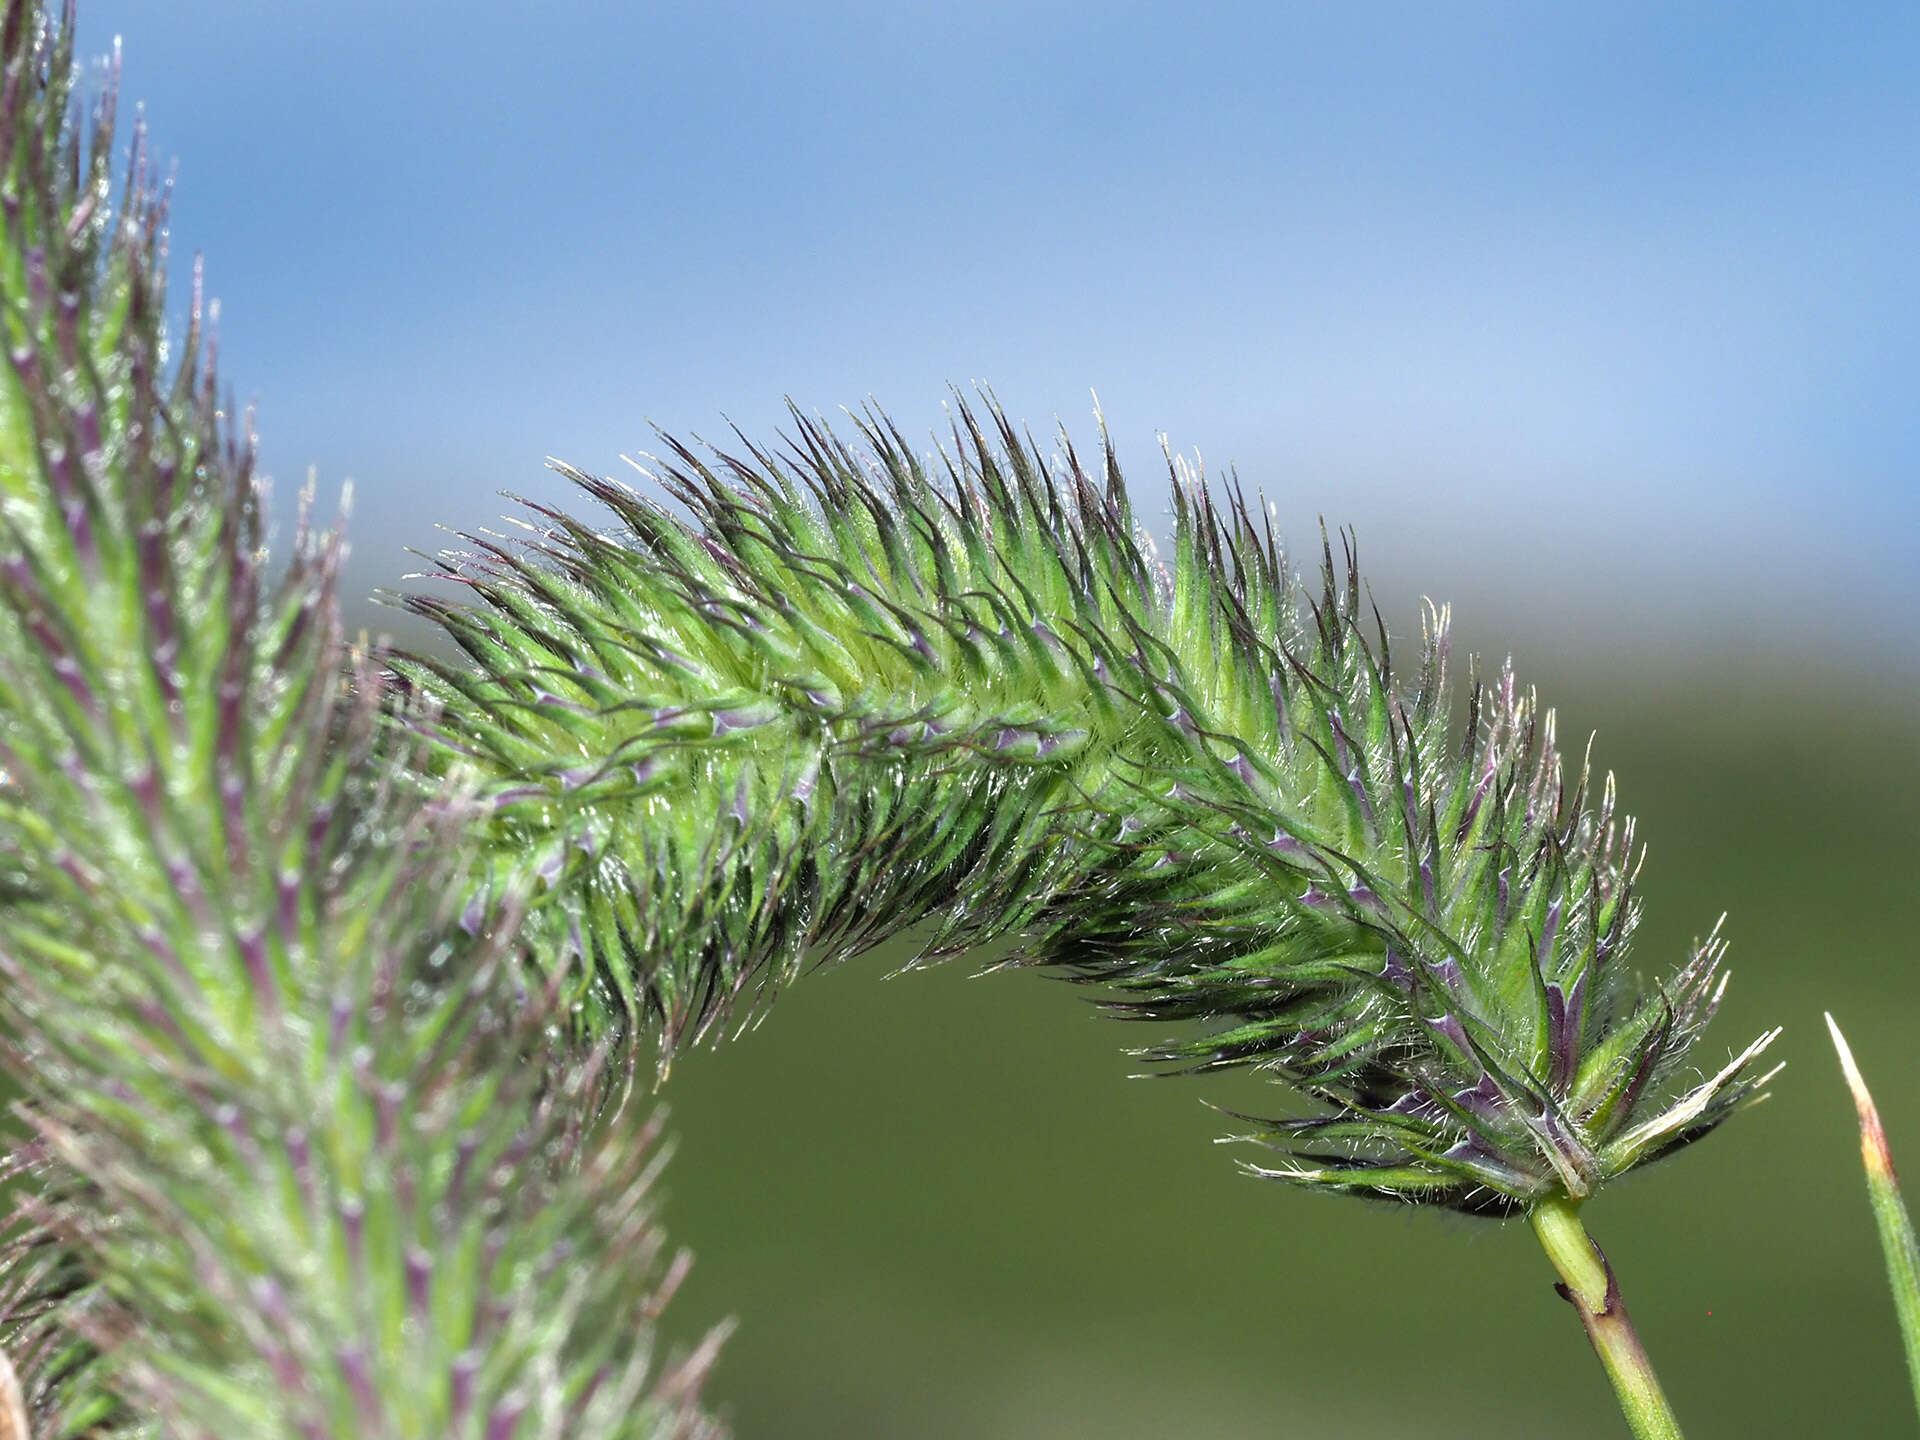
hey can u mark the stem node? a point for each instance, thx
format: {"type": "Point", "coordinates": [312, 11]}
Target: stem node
{"type": "Point", "coordinates": [1588, 1283]}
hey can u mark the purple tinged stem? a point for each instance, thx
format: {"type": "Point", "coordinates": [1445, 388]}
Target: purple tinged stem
{"type": "Point", "coordinates": [462, 1164]}
{"type": "Point", "coordinates": [272, 1302]}
{"type": "Point", "coordinates": [158, 598]}
{"type": "Point", "coordinates": [9, 118]}
{"type": "Point", "coordinates": [83, 212]}
{"type": "Point", "coordinates": [1449, 1026]}
{"type": "Point", "coordinates": [1576, 1019]}
{"type": "Point", "coordinates": [1473, 1155]}
{"type": "Point", "coordinates": [1360, 794]}
{"type": "Point", "coordinates": [186, 884]}
{"type": "Point", "coordinates": [1342, 752]}
{"type": "Point", "coordinates": [460, 1378]}
{"type": "Point", "coordinates": [1603, 947]}
{"type": "Point", "coordinates": [1482, 1098]}
{"type": "Point", "coordinates": [150, 548]}
{"type": "Point", "coordinates": [548, 700]}
{"type": "Point", "coordinates": [1479, 793]}
{"type": "Point", "coordinates": [37, 290]}
{"type": "Point", "coordinates": [340, 1020]}
{"type": "Point", "coordinates": [1650, 1052]}
{"type": "Point", "coordinates": [233, 694]}
{"type": "Point", "coordinates": [287, 1371]}
{"type": "Point", "coordinates": [726, 722]}
{"type": "Point", "coordinates": [318, 826]}
{"type": "Point", "coordinates": [386, 1109]}
{"type": "Point", "coordinates": [68, 671]}
{"type": "Point", "coordinates": [505, 1418]}
{"type": "Point", "coordinates": [158, 1018]}
{"type": "Point", "coordinates": [158, 943]}
{"type": "Point", "coordinates": [1563, 1036]}
{"type": "Point", "coordinates": [513, 795]}
{"type": "Point", "coordinates": [166, 471]}
{"type": "Point", "coordinates": [287, 891]}
{"type": "Point", "coordinates": [86, 424]}
{"type": "Point", "coordinates": [300, 1162]}
{"type": "Point", "coordinates": [229, 1119]}
{"type": "Point", "coordinates": [65, 667]}
{"type": "Point", "coordinates": [353, 1364]}
{"type": "Point", "coordinates": [1417, 1104]}
{"type": "Point", "coordinates": [578, 776]}
{"type": "Point", "coordinates": [73, 513]}
{"type": "Point", "coordinates": [232, 764]}
{"type": "Point", "coordinates": [419, 1266]}
{"type": "Point", "coordinates": [806, 782]}
{"type": "Point", "coordinates": [266, 986]}
{"type": "Point", "coordinates": [71, 867]}
{"type": "Point", "coordinates": [19, 576]}
{"type": "Point", "coordinates": [353, 1224]}
{"type": "Point", "coordinates": [1549, 931]}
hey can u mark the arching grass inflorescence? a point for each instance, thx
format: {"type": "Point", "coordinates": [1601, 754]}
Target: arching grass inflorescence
{"type": "Point", "coordinates": [845, 691]}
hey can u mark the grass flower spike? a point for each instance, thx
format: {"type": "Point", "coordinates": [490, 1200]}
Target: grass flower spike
{"type": "Point", "coordinates": [871, 697]}
{"type": "Point", "coordinates": [305, 1156]}
{"type": "Point", "coordinates": [849, 691]}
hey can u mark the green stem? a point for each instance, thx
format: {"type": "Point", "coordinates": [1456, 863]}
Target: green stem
{"type": "Point", "coordinates": [1590, 1287]}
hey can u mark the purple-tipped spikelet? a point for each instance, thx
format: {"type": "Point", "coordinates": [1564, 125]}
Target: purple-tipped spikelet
{"type": "Point", "coordinates": [306, 1156]}
{"type": "Point", "coordinates": [848, 696]}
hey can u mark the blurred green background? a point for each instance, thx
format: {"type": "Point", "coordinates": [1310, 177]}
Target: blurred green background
{"type": "Point", "coordinates": [939, 1208]}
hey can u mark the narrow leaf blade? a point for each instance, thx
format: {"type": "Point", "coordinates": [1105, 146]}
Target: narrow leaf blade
{"type": "Point", "coordinates": [1889, 1210]}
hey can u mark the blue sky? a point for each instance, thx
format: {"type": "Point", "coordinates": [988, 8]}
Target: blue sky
{"type": "Point", "coordinates": [1597, 318]}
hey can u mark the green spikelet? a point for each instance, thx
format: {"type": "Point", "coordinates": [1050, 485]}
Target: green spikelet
{"type": "Point", "coordinates": [845, 697]}
{"type": "Point", "coordinates": [307, 1156]}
